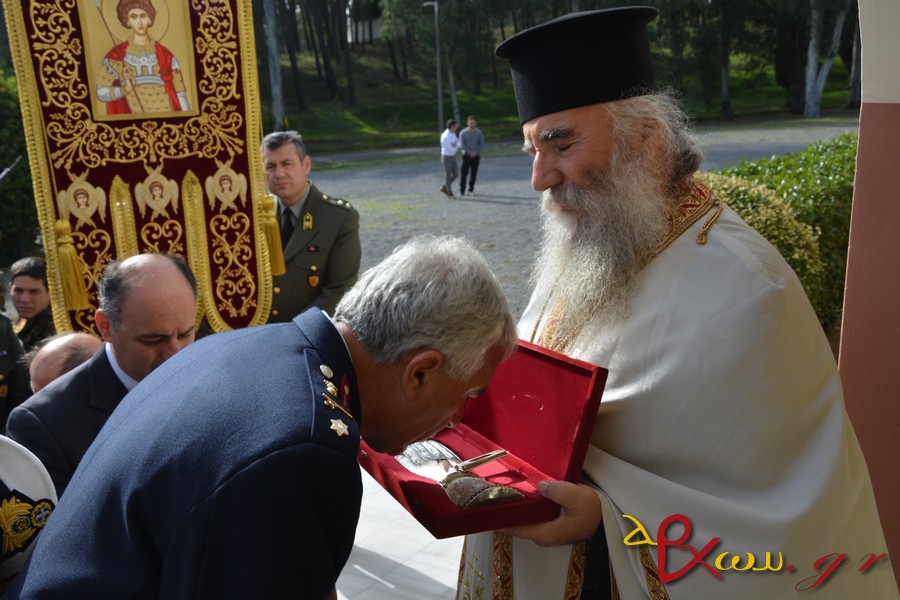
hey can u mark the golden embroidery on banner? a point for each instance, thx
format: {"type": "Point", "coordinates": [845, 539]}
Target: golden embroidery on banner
{"type": "Point", "coordinates": [226, 186]}
{"type": "Point", "coordinates": [156, 195]}
{"type": "Point", "coordinates": [82, 201]}
{"type": "Point", "coordinates": [96, 243]}
{"type": "Point", "coordinates": [55, 46]}
{"type": "Point", "coordinates": [81, 141]}
{"type": "Point", "coordinates": [123, 218]}
{"type": "Point", "coordinates": [235, 288]}
{"type": "Point", "coordinates": [225, 240]}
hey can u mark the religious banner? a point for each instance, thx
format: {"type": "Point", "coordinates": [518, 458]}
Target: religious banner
{"type": "Point", "coordinates": [142, 123]}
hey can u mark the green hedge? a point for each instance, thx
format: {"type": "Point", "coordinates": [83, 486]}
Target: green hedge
{"type": "Point", "coordinates": [818, 184]}
{"type": "Point", "coordinates": [769, 214]}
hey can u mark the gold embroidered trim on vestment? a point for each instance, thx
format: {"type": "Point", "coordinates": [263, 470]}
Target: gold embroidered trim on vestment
{"type": "Point", "coordinates": [690, 209]}
{"type": "Point", "coordinates": [575, 576]}
{"type": "Point", "coordinates": [654, 583]}
{"type": "Point", "coordinates": [501, 583]}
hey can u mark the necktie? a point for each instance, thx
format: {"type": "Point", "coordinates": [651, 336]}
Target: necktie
{"type": "Point", "coordinates": [287, 227]}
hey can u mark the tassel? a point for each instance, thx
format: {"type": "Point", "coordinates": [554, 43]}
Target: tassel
{"type": "Point", "coordinates": [70, 271]}
{"type": "Point", "coordinates": [273, 235]}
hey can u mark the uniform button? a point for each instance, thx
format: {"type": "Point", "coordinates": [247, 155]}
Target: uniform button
{"type": "Point", "coordinates": [2, 377]}
{"type": "Point", "coordinates": [313, 268]}
{"type": "Point", "coordinates": [277, 290]}
{"type": "Point", "coordinates": [274, 313]}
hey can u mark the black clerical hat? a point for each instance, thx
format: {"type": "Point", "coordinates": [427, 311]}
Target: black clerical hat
{"type": "Point", "coordinates": [580, 59]}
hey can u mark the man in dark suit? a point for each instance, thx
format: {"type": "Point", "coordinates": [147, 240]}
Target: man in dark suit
{"type": "Point", "coordinates": [230, 472]}
{"type": "Point", "coordinates": [319, 234]}
{"type": "Point", "coordinates": [147, 312]}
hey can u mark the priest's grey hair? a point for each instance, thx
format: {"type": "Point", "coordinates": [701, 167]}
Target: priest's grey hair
{"type": "Point", "coordinates": [432, 293]}
{"type": "Point", "coordinates": [663, 108]}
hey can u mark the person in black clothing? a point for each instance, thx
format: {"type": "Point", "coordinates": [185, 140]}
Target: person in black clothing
{"type": "Point", "coordinates": [31, 298]}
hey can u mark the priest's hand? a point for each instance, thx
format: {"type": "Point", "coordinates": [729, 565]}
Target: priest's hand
{"type": "Point", "coordinates": [579, 517]}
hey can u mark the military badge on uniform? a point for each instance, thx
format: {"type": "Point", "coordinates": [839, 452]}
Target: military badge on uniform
{"type": "Point", "coordinates": [20, 520]}
{"type": "Point", "coordinates": [339, 427]}
{"type": "Point", "coordinates": [307, 222]}
{"type": "Point", "coordinates": [27, 499]}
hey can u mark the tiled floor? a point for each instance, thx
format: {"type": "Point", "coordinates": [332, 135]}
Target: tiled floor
{"type": "Point", "coordinates": [395, 558]}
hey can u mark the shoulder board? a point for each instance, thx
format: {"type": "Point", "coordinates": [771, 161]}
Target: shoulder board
{"type": "Point", "coordinates": [336, 201]}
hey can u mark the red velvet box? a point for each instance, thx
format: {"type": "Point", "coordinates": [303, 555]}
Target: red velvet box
{"type": "Point", "coordinates": [541, 407]}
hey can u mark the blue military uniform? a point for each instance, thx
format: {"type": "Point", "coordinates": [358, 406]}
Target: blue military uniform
{"type": "Point", "coordinates": [229, 472]}
{"type": "Point", "coordinates": [322, 258]}
{"type": "Point", "coordinates": [59, 422]}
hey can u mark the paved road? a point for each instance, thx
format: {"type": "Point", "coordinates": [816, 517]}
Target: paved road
{"type": "Point", "coordinates": [399, 200]}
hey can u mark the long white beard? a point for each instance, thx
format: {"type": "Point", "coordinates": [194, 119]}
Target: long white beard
{"type": "Point", "coordinates": [593, 243]}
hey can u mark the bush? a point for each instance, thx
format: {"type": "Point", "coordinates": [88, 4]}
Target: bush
{"type": "Point", "coordinates": [817, 183]}
{"type": "Point", "coordinates": [771, 216]}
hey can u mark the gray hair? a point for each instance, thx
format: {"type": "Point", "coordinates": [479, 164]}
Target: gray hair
{"type": "Point", "coordinates": [664, 107]}
{"type": "Point", "coordinates": [277, 139]}
{"type": "Point", "coordinates": [435, 293]}
{"type": "Point", "coordinates": [115, 285]}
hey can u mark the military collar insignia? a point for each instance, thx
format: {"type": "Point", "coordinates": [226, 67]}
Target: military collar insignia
{"type": "Point", "coordinates": [330, 396]}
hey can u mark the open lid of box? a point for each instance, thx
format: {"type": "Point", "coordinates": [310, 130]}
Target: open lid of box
{"type": "Point", "coordinates": [540, 406]}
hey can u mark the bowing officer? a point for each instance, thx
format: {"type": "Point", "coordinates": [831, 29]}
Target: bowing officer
{"type": "Point", "coordinates": [319, 234]}
{"type": "Point", "coordinates": [230, 471]}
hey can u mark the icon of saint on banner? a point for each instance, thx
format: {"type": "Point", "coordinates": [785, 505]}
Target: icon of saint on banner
{"type": "Point", "coordinates": [138, 74]}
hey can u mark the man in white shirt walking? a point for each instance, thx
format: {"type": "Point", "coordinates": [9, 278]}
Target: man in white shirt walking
{"type": "Point", "coordinates": [449, 146]}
